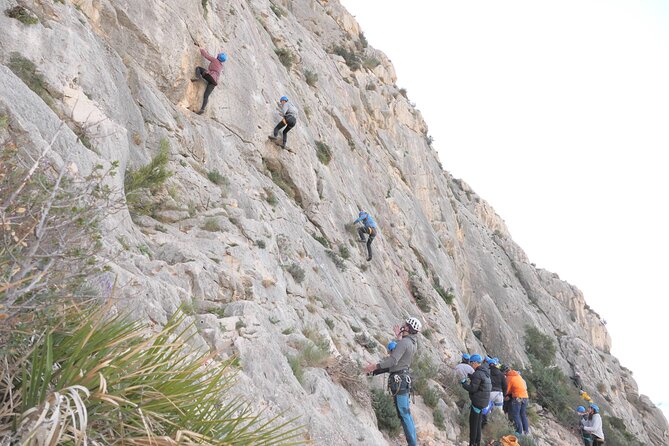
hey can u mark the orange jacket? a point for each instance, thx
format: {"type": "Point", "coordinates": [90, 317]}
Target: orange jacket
{"type": "Point", "coordinates": [515, 385]}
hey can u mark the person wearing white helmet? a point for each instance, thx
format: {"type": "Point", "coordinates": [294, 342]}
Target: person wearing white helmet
{"type": "Point", "coordinates": [399, 381]}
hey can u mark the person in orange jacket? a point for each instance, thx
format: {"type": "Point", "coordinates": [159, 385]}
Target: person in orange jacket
{"type": "Point", "coordinates": [516, 390]}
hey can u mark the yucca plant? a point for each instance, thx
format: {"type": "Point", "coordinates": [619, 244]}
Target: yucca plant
{"type": "Point", "coordinates": [91, 378]}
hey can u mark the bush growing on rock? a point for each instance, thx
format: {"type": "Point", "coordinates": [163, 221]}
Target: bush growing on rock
{"type": "Point", "coordinates": [384, 409]}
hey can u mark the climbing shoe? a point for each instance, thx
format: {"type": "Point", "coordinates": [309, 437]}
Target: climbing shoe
{"type": "Point", "coordinates": [194, 80]}
{"type": "Point", "coordinates": [272, 137]}
{"type": "Point", "coordinates": [200, 111]}
{"type": "Point", "coordinates": [369, 258]}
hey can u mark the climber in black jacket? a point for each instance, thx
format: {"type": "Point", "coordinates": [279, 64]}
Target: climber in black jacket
{"type": "Point", "coordinates": [478, 385]}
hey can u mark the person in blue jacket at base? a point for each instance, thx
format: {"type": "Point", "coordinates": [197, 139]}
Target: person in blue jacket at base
{"type": "Point", "coordinates": [368, 229]}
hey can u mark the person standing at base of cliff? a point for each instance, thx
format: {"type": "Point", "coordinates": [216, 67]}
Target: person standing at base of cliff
{"type": "Point", "coordinates": [516, 390]}
{"type": "Point", "coordinates": [478, 385]}
{"type": "Point", "coordinates": [368, 229]}
{"type": "Point", "coordinates": [463, 369]}
{"type": "Point", "coordinates": [399, 381]}
{"type": "Point", "coordinates": [210, 75]}
{"type": "Point", "coordinates": [583, 420]}
{"type": "Point", "coordinates": [593, 425]}
{"type": "Point", "coordinates": [498, 383]}
{"type": "Point", "coordinates": [288, 120]}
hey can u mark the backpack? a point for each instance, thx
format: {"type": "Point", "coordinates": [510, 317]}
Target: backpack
{"type": "Point", "coordinates": [510, 440]}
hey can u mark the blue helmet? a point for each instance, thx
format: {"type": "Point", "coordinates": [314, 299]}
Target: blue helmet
{"type": "Point", "coordinates": [489, 360]}
{"type": "Point", "coordinates": [391, 346]}
{"type": "Point", "coordinates": [283, 98]}
{"type": "Point", "coordinates": [222, 57]}
{"type": "Point", "coordinates": [475, 358]}
{"type": "Point", "coordinates": [466, 356]}
{"type": "Point", "coordinates": [362, 214]}
{"type": "Point", "coordinates": [580, 409]}
{"type": "Point", "coordinates": [594, 407]}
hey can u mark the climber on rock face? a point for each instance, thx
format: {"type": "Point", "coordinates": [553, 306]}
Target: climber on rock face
{"type": "Point", "coordinates": [593, 425]}
{"type": "Point", "coordinates": [516, 391]}
{"type": "Point", "coordinates": [399, 381]}
{"type": "Point", "coordinates": [288, 120]}
{"type": "Point", "coordinates": [369, 229]}
{"type": "Point", "coordinates": [210, 75]}
{"type": "Point", "coordinates": [478, 385]}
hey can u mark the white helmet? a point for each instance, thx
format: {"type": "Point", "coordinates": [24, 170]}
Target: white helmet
{"type": "Point", "coordinates": [414, 323]}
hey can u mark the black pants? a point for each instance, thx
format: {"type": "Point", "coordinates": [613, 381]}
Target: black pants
{"type": "Point", "coordinates": [211, 84]}
{"type": "Point", "coordinates": [289, 124]}
{"type": "Point", "coordinates": [475, 427]}
{"type": "Point", "coordinates": [372, 235]}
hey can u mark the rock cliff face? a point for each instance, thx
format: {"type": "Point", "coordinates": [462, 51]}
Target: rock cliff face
{"type": "Point", "coordinates": [114, 84]}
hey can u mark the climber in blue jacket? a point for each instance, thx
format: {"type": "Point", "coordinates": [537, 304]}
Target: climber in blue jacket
{"type": "Point", "coordinates": [369, 229]}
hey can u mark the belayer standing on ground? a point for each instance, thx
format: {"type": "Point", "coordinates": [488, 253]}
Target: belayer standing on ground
{"type": "Point", "coordinates": [583, 420]}
{"type": "Point", "coordinates": [516, 390]}
{"type": "Point", "coordinates": [478, 385]}
{"type": "Point", "coordinates": [210, 75]}
{"type": "Point", "coordinates": [399, 381]}
{"type": "Point", "coordinates": [288, 120]}
{"type": "Point", "coordinates": [368, 228]}
{"type": "Point", "coordinates": [593, 425]}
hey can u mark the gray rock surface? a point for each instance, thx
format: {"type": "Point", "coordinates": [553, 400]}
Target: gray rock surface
{"type": "Point", "coordinates": [118, 72]}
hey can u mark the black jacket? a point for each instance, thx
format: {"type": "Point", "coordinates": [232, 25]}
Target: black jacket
{"type": "Point", "coordinates": [479, 386]}
{"type": "Point", "coordinates": [498, 380]}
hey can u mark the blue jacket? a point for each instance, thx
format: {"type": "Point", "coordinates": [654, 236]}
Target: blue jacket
{"type": "Point", "coordinates": [366, 220]}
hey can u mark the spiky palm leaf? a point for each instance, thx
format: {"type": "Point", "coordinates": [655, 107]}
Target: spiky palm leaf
{"type": "Point", "coordinates": [145, 388]}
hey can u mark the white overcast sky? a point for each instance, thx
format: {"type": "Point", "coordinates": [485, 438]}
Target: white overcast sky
{"type": "Point", "coordinates": [556, 113]}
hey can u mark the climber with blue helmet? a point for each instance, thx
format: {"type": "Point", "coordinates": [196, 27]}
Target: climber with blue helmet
{"type": "Point", "coordinates": [463, 369]}
{"type": "Point", "coordinates": [498, 381]}
{"type": "Point", "coordinates": [399, 380]}
{"type": "Point", "coordinates": [478, 385]}
{"type": "Point", "coordinates": [210, 75]}
{"type": "Point", "coordinates": [593, 425]}
{"type": "Point", "coordinates": [583, 420]}
{"type": "Point", "coordinates": [288, 120]}
{"type": "Point", "coordinates": [368, 229]}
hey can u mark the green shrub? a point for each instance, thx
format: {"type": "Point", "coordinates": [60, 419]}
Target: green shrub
{"type": "Point", "coordinates": [26, 70]}
{"type": "Point", "coordinates": [423, 370]}
{"type": "Point", "coordinates": [553, 390]}
{"type": "Point", "coordinates": [338, 261]}
{"type": "Point", "coordinates": [297, 272]}
{"type": "Point", "coordinates": [270, 197]}
{"type": "Point", "coordinates": [211, 225]}
{"type": "Point", "coordinates": [22, 14]}
{"type": "Point", "coordinates": [616, 432]}
{"type": "Point", "coordinates": [403, 92]}
{"type": "Point", "coordinates": [286, 57]}
{"type": "Point", "coordinates": [103, 375]}
{"type": "Point", "coordinates": [370, 63]}
{"type": "Point", "coordinates": [366, 341]}
{"type": "Point", "coordinates": [363, 40]}
{"type": "Point", "coordinates": [288, 331]}
{"type": "Point", "coordinates": [539, 346]}
{"type": "Point", "coordinates": [351, 58]}
{"type": "Point", "coordinates": [322, 240]}
{"type": "Point", "coordinates": [386, 415]}
{"type": "Point", "coordinates": [371, 86]}
{"type": "Point", "coordinates": [438, 418]}
{"type": "Point", "coordinates": [323, 152]}
{"type": "Point", "coordinates": [311, 77]}
{"type": "Point", "coordinates": [215, 177]}
{"type": "Point", "coordinates": [344, 252]}
{"type": "Point", "coordinates": [151, 176]}
{"type": "Point", "coordinates": [447, 296]}
{"type": "Point", "coordinates": [278, 11]}
{"type": "Point", "coordinates": [261, 244]}
{"type": "Point", "coordinates": [330, 323]}
{"type": "Point", "coordinates": [296, 367]}
{"type": "Point", "coordinates": [430, 397]}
